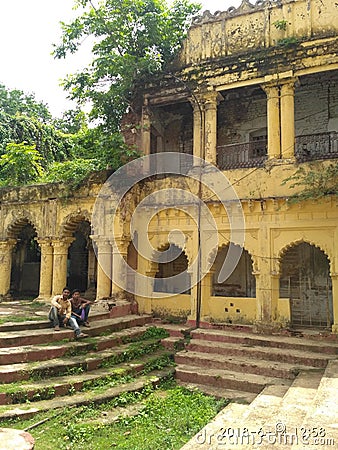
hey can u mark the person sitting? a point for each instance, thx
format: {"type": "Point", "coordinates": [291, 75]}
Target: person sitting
{"type": "Point", "coordinates": [80, 308]}
{"type": "Point", "coordinates": [60, 313]}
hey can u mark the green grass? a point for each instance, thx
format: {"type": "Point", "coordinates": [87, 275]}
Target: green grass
{"type": "Point", "coordinates": [18, 319]}
{"type": "Point", "coordinates": [168, 418]}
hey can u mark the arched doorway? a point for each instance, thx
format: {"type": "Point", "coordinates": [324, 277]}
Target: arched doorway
{"type": "Point", "coordinates": [305, 280]}
{"type": "Point", "coordinates": [26, 259]}
{"type": "Point", "coordinates": [174, 263]}
{"type": "Point", "coordinates": [78, 258]}
{"type": "Point", "coordinates": [241, 282]}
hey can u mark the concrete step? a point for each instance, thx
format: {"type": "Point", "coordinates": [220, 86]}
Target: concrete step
{"type": "Point", "coordinates": [324, 346]}
{"type": "Point", "coordinates": [64, 385]}
{"type": "Point", "coordinates": [73, 364]}
{"type": "Point", "coordinates": [41, 324]}
{"type": "Point", "coordinates": [225, 378]}
{"type": "Point", "coordinates": [265, 353]}
{"type": "Point", "coordinates": [29, 353]}
{"type": "Point", "coordinates": [230, 394]}
{"type": "Point", "coordinates": [180, 331]}
{"type": "Point", "coordinates": [173, 343]}
{"type": "Point", "coordinates": [321, 420]}
{"type": "Point", "coordinates": [44, 336]}
{"type": "Point", "coordinates": [283, 427]}
{"type": "Point", "coordinates": [25, 410]}
{"type": "Point", "coordinates": [239, 364]}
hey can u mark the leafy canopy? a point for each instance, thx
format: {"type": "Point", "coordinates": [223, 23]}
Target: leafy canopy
{"type": "Point", "coordinates": [132, 39]}
{"type": "Point", "coordinates": [20, 164]}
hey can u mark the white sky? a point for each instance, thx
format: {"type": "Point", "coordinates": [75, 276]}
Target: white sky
{"type": "Point", "coordinates": [28, 28]}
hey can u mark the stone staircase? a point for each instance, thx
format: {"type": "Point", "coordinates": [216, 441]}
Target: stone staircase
{"type": "Point", "coordinates": [284, 390]}
{"type": "Point", "coordinates": [41, 369]}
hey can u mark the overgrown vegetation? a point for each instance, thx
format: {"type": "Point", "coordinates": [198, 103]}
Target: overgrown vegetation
{"type": "Point", "coordinates": [314, 182]}
{"type": "Point", "coordinates": [131, 40]}
{"type": "Point", "coordinates": [167, 417]}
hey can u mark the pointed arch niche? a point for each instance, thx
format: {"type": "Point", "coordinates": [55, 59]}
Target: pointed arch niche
{"type": "Point", "coordinates": [175, 265]}
{"type": "Point", "coordinates": [305, 280]}
{"type": "Point", "coordinates": [241, 282]}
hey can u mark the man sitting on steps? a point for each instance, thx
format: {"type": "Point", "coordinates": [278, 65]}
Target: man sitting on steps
{"type": "Point", "coordinates": [60, 313]}
{"type": "Point", "coordinates": [80, 308]}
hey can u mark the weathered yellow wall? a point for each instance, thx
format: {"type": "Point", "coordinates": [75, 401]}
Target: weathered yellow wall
{"type": "Point", "coordinates": [252, 27]}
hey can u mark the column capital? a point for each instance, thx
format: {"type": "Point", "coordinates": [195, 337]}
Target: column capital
{"type": "Point", "coordinates": [45, 241]}
{"type": "Point", "coordinates": [7, 244]}
{"type": "Point", "coordinates": [62, 243]}
{"type": "Point", "coordinates": [271, 89]}
{"type": "Point", "coordinates": [100, 241]}
{"type": "Point", "coordinates": [119, 245]}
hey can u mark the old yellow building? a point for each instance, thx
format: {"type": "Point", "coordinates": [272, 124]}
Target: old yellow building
{"type": "Point", "coordinates": [254, 93]}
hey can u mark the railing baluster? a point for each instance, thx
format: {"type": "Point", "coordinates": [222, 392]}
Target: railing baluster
{"type": "Point", "coordinates": [316, 146]}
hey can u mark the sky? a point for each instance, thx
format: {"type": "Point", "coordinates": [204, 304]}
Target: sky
{"type": "Point", "coordinates": [28, 30]}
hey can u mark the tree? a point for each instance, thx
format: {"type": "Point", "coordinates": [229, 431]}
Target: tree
{"type": "Point", "coordinates": [20, 164]}
{"type": "Point", "coordinates": [133, 39]}
{"type": "Point", "coordinates": [14, 102]}
{"type": "Point", "coordinates": [23, 119]}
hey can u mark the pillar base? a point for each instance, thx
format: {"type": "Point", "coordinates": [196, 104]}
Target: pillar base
{"type": "Point", "coordinates": [335, 328]}
{"type": "Point", "coordinates": [267, 327]}
{"type": "Point", "coordinates": [5, 298]}
{"type": "Point", "coordinates": [43, 298]}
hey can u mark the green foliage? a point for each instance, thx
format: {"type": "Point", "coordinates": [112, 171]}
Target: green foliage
{"type": "Point", "coordinates": [72, 172]}
{"type": "Point", "coordinates": [14, 102]}
{"type": "Point", "coordinates": [20, 164]}
{"type": "Point", "coordinates": [155, 333]}
{"type": "Point", "coordinates": [317, 181]}
{"type": "Point", "coordinates": [132, 39]}
{"type": "Point", "coordinates": [287, 41]}
{"type": "Point", "coordinates": [280, 24]}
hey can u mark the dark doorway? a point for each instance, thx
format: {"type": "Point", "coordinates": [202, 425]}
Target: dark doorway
{"type": "Point", "coordinates": [305, 280]}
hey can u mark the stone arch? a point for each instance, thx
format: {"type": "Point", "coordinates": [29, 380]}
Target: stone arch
{"type": "Point", "coordinates": [71, 222]}
{"type": "Point", "coordinates": [177, 268]}
{"type": "Point", "coordinates": [296, 242]}
{"type": "Point", "coordinates": [24, 219]}
{"type": "Point", "coordinates": [241, 282]}
{"type": "Point", "coordinates": [305, 280]}
{"type": "Point", "coordinates": [81, 260]}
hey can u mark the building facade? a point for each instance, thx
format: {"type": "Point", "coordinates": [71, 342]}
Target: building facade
{"type": "Point", "coordinates": [254, 93]}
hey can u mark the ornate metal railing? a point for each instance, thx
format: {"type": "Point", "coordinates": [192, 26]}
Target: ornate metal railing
{"type": "Point", "coordinates": [247, 154]}
{"type": "Point", "coordinates": [316, 146]}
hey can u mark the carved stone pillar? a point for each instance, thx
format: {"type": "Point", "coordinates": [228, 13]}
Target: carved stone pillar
{"type": "Point", "coordinates": [287, 106]}
{"type": "Point", "coordinates": [46, 269]}
{"type": "Point", "coordinates": [211, 101]}
{"type": "Point", "coordinates": [273, 113]}
{"type": "Point", "coordinates": [6, 248]}
{"type": "Point", "coordinates": [104, 256]}
{"type": "Point", "coordinates": [60, 256]}
{"type": "Point", "coordinates": [119, 274]}
{"type": "Point", "coordinates": [198, 120]}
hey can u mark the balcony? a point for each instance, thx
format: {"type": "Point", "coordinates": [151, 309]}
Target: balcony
{"type": "Point", "coordinates": [316, 146]}
{"type": "Point", "coordinates": [247, 154]}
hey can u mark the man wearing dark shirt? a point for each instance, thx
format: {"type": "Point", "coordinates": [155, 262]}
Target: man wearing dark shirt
{"type": "Point", "coordinates": [80, 308]}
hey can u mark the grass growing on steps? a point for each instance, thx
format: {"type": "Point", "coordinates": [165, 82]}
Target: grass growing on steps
{"type": "Point", "coordinates": [166, 418]}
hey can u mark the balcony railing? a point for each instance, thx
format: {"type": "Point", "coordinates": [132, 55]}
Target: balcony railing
{"type": "Point", "coordinates": [247, 154]}
{"type": "Point", "coordinates": [316, 146]}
